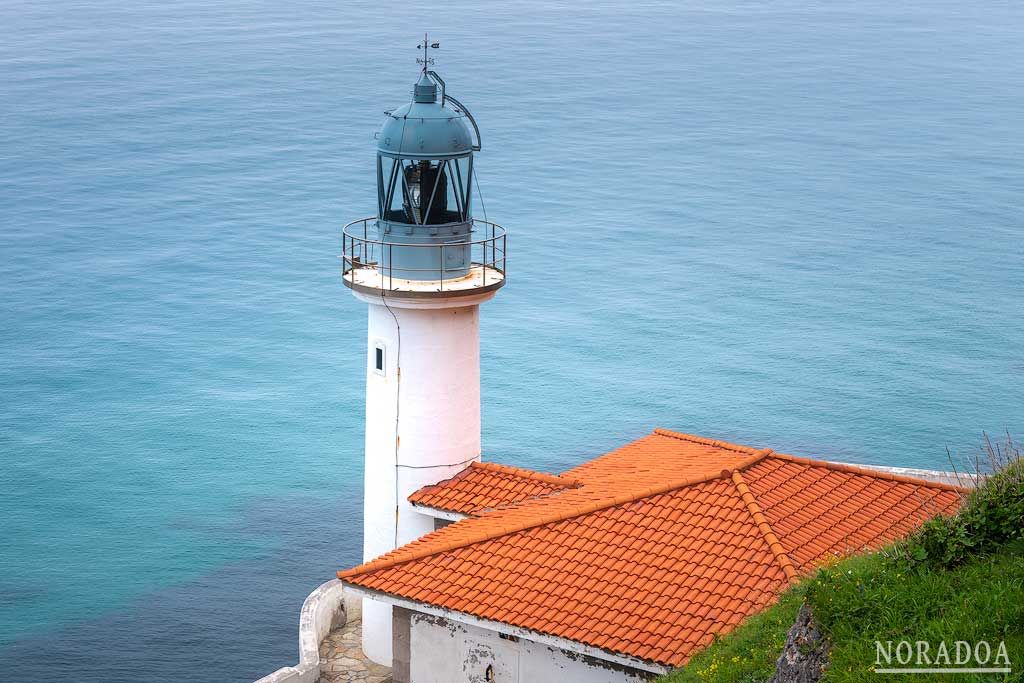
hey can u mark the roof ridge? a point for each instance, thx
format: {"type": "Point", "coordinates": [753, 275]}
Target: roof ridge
{"type": "Point", "coordinates": [788, 568]}
{"type": "Point", "coordinates": [570, 511]}
{"type": "Point", "coordinates": [867, 471]}
{"type": "Point", "coordinates": [525, 473]}
{"type": "Point", "coordinates": [708, 442]}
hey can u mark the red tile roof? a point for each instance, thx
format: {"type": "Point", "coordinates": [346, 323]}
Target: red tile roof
{"type": "Point", "coordinates": [664, 543]}
{"type": "Point", "coordinates": [822, 510]}
{"type": "Point", "coordinates": [486, 486]}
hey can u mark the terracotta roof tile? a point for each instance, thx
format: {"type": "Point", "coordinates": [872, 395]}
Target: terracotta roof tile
{"type": "Point", "coordinates": [484, 485]}
{"type": "Point", "coordinates": [650, 550]}
{"type": "Point", "coordinates": [820, 510]}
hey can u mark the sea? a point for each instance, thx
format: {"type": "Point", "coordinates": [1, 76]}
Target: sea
{"type": "Point", "coordinates": [795, 224]}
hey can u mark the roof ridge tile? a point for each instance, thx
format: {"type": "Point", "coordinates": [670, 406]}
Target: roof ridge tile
{"type": "Point", "coordinates": [764, 527]}
{"type": "Point", "coordinates": [706, 442]}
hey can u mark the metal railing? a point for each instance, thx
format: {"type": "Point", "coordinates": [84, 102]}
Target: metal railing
{"type": "Point", "coordinates": [360, 250]}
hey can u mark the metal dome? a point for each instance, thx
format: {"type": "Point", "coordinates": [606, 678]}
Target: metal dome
{"type": "Point", "coordinates": [427, 128]}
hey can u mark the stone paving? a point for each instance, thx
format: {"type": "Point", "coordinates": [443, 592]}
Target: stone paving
{"type": "Point", "coordinates": [342, 659]}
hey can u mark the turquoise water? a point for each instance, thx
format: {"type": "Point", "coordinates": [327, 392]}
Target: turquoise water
{"type": "Point", "coordinates": [794, 224]}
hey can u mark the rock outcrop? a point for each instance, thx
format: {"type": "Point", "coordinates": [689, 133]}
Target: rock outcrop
{"type": "Point", "coordinates": [804, 657]}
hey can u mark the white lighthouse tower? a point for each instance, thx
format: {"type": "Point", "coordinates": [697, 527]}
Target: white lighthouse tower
{"type": "Point", "coordinates": [423, 265]}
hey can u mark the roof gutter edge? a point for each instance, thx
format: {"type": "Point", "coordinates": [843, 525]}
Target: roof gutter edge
{"type": "Point", "coordinates": [508, 629]}
{"type": "Point", "coordinates": [438, 513]}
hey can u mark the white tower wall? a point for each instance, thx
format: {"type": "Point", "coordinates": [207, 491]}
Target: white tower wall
{"type": "Point", "coordinates": [422, 423]}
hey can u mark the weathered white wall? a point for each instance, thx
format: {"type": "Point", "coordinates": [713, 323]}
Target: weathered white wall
{"type": "Point", "coordinates": [445, 651]}
{"type": "Point", "coordinates": [326, 608]}
{"type": "Point", "coordinates": [422, 424]}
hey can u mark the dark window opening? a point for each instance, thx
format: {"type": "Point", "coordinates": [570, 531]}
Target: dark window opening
{"type": "Point", "coordinates": [379, 362]}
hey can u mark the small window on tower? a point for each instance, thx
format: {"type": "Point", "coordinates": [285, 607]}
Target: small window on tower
{"type": "Point", "coordinates": [378, 359]}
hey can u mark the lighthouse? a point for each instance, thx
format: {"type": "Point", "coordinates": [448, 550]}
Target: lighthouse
{"type": "Point", "coordinates": [423, 265]}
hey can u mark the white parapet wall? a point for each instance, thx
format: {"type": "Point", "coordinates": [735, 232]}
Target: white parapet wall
{"type": "Point", "coordinates": [962, 479]}
{"type": "Point", "coordinates": [325, 609]}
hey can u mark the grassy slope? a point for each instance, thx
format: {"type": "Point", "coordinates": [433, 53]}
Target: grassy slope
{"type": "Point", "coordinates": [866, 598]}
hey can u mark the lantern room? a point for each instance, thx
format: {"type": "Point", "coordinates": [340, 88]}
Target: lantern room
{"type": "Point", "coordinates": [424, 230]}
{"type": "Point", "coordinates": [425, 166]}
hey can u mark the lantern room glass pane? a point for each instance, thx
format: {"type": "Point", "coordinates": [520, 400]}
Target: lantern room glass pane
{"type": "Point", "coordinates": [463, 167]}
{"type": "Point", "coordinates": [426, 185]}
{"type": "Point", "coordinates": [424, 191]}
{"type": "Point", "coordinates": [385, 166]}
{"type": "Point", "coordinates": [454, 198]}
{"type": "Point", "coordinates": [394, 197]}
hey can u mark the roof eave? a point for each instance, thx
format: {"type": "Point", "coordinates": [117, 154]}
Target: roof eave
{"type": "Point", "coordinates": [509, 629]}
{"type": "Point", "coordinates": [439, 513]}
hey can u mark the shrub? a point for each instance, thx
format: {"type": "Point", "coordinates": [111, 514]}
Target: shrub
{"type": "Point", "coordinates": [991, 516]}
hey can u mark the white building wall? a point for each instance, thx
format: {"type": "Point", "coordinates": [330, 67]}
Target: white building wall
{"type": "Point", "coordinates": [445, 651]}
{"type": "Point", "coordinates": [422, 425]}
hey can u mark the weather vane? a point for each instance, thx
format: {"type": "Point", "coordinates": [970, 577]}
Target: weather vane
{"type": "Point", "coordinates": [426, 60]}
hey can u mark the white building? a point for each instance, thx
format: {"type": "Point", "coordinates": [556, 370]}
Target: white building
{"type": "Point", "coordinates": [622, 568]}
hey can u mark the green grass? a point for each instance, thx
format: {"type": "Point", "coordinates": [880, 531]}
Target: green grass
{"type": "Point", "coordinates": [959, 578]}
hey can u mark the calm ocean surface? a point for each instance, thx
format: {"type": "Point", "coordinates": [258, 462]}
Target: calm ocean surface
{"type": "Point", "coordinates": [789, 224]}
